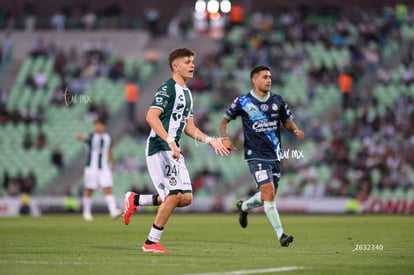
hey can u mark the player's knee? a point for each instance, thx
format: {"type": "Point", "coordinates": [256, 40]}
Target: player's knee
{"type": "Point", "coordinates": [267, 192]}
{"type": "Point", "coordinates": [186, 199]}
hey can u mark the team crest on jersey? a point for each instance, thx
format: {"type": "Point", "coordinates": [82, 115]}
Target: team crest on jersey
{"type": "Point", "coordinates": [275, 107]}
{"type": "Point", "coordinates": [264, 107]}
{"type": "Point", "coordinates": [173, 181]}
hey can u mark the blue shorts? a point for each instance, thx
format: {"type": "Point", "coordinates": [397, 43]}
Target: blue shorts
{"type": "Point", "coordinates": [264, 171]}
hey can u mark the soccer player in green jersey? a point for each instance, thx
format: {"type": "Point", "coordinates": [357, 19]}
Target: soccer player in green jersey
{"type": "Point", "coordinates": [169, 116]}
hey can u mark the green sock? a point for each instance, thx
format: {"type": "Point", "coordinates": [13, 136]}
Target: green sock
{"type": "Point", "coordinates": [253, 202]}
{"type": "Point", "coordinates": [273, 217]}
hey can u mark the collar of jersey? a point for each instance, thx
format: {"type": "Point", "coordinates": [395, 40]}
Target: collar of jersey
{"type": "Point", "coordinates": [258, 98]}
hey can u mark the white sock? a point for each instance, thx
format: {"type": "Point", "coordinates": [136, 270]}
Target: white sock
{"type": "Point", "coordinates": [273, 217]}
{"type": "Point", "coordinates": [253, 202]}
{"type": "Point", "coordinates": [87, 205]}
{"type": "Point", "coordinates": [111, 203]}
{"type": "Point", "coordinates": [155, 234]}
{"type": "Point", "coordinates": [146, 200]}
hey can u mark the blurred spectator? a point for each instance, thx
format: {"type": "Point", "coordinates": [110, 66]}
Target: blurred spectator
{"type": "Point", "coordinates": [3, 98]}
{"type": "Point", "coordinates": [58, 96]}
{"type": "Point", "coordinates": [117, 70]}
{"type": "Point", "coordinates": [185, 23]}
{"type": "Point", "coordinates": [131, 91]}
{"type": "Point", "coordinates": [39, 48]}
{"type": "Point", "coordinates": [4, 115]}
{"type": "Point", "coordinates": [372, 56]}
{"type": "Point", "coordinates": [345, 81]}
{"type": "Point", "coordinates": [40, 115]}
{"type": "Point", "coordinates": [77, 85]}
{"type": "Point", "coordinates": [152, 16]}
{"type": "Point", "coordinates": [6, 180]}
{"type": "Point", "coordinates": [88, 19]}
{"type": "Point", "coordinates": [28, 184]}
{"type": "Point", "coordinates": [27, 141]}
{"type": "Point", "coordinates": [152, 56]}
{"type": "Point", "coordinates": [57, 158]}
{"type": "Point", "coordinates": [7, 48]}
{"type": "Point", "coordinates": [30, 82]}
{"type": "Point", "coordinates": [15, 116]}
{"type": "Point", "coordinates": [28, 115]}
{"type": "Point", "coordinates": [29, 12]}
{"type": "Point", "coordinates": [103, 111]}
{"type": "Point", "coordinates": [58, 20]}
{"type": "Point", "coordinates": [41, 140]}
{"type": "Point", "coordinates": [15, 184]}
{"type": "Point", "coordinates": [384, 75]}
{"type": "Point", "coordinates": [40, 79]}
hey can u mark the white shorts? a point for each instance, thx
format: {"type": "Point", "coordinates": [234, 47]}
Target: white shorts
{"type": "Point", "coordinates": [168, 175]}
{"type": "Point", "coordinates": [95, 178]}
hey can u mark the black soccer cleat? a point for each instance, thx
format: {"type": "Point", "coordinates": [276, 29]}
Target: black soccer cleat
{"type": "Point", "coordinates": [242, 214]}
{"type": "Point", "coordinates": [285, 240]}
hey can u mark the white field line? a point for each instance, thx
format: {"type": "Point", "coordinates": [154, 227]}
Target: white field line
{"type": "Point", "coordinates": [253, 271]}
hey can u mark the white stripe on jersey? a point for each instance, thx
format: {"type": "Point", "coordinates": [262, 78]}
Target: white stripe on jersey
{"type": "Point", "coordinates": [99, 151]}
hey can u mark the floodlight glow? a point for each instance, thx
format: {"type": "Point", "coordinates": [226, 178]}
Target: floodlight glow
{"type": "Point", "coordinates": [213, 6]}
{"type": "Point", "coordinates": [225, 6]}
{"type": "Point", "coordinates": [200, 6]}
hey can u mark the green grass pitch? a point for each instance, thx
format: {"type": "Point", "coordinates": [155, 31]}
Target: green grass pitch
{"type": "Point", "coordinates": [207, 244]}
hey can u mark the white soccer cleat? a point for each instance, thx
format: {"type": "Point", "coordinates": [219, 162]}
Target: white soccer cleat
{"type": "Point", "coordinates": [116, 214]}
{"type": "Point", "coordinates": [87, 217]}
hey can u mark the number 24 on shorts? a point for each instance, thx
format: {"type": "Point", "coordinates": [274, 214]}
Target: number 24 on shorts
{"type": "Point", "coordinates": [171, 170]}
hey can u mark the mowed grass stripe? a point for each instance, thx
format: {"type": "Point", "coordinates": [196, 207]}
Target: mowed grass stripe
{"type": "Point", "coordinates": [203, 243]}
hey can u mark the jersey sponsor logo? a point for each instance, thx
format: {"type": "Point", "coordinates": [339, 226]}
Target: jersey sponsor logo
{"type": "Point", "coordinates": [260, 121]}
{"type": "Point", "coordinates": [261, 175]}
{"type": "Point", "coordinates": [264, 107]}
{"type": "Point", "coordinates": [263, 126]}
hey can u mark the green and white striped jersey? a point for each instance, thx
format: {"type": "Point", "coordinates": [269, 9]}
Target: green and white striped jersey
{"type": "Point", "coordinates": [176, 104]}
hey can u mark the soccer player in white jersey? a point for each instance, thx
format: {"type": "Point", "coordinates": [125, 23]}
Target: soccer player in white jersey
{"type": "Point", "coordinates": [262, 113]}
{"type": "Point", "coordinates": [98, 169]}
{"type": "Point", "coordinates": [169, 116]}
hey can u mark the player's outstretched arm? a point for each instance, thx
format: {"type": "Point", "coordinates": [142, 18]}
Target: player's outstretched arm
{"type": "Point", "coordinates": [153, 120]}
{"type": "Point", "coordinates": [81, 137]}
{"type": "Point", "coordinates": [224, 136]}
{"type": "Point", "coordinates": [291, 126]}
{"type": "Point", "coordinates": [192, 131]}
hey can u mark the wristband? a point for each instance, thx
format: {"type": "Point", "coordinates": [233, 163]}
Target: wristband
{"type": "Point", "coordinates": [208, 140]}
{"type": "Point", "coordinates": [169, 140]}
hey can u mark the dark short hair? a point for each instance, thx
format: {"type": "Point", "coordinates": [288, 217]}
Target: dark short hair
{"type": "Point", "coordinates": [178, 53]}
{"type": "Point", "coordinates": [258, 69]}
{"type": "Point", "coordinates": [99, 120]}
